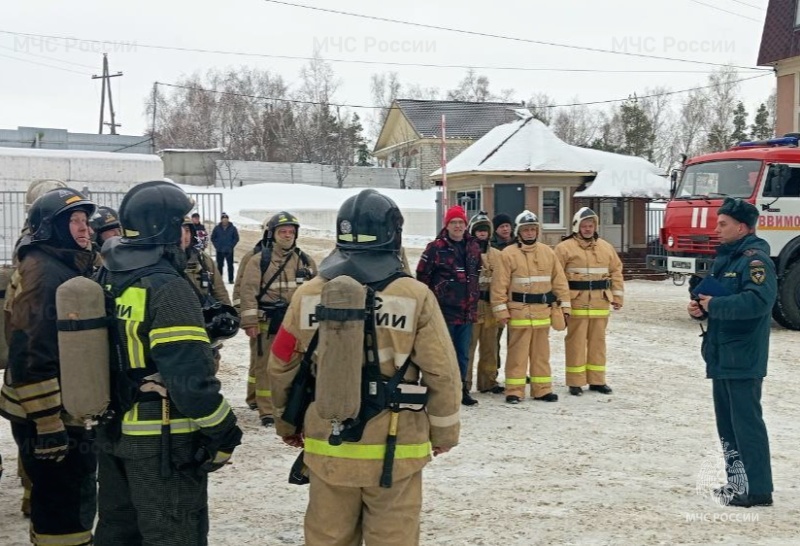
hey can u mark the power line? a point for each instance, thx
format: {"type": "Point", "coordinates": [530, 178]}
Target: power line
{"type": "Point", "coordinates": [148, 139]}
{"type": "Point", "coordinates": [386, 63]}
{"type": "Point", "coordinates": [43, 64]}
{"type": "Point", "coordinates": [300, 101]}
{"type": "Point", "coordinates": [726, 11]}
{"type": "Point", "coordinates": [55, 59]}
{"type": "Point", "coordinates": [498, 36]}
{"type": "Point", "coordinates": [748, 5]}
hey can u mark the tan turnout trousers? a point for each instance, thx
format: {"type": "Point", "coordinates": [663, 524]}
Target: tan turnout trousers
{"type": "Point", "coordinates": [529, 355]}
{"type": "Point", "coordinates": [484, 334]}
{"type": "Point", "coordinates": [378, 516]}
{"type": "Point", "coordinates": [585, 351]}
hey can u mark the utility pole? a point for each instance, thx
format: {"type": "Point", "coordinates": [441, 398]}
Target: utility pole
{"type": "Point", "coordinates": [107, 87]}
{"type": "Point", "coordinates": [153, 125]}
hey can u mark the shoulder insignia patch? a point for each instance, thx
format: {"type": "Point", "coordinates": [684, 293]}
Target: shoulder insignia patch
{"type": "Point", "coordinates": [758, 274]}
{"type": "Point", "coordinates": [756, 263]}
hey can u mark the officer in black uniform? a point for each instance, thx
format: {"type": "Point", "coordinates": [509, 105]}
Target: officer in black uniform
{"type": "Point", "coordinates": [172, 425]}
{"type": "Point", "coordinates": [735, 348]}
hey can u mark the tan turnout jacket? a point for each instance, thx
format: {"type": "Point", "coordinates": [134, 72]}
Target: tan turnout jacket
{"type": "Point", "coordinates": [594, 260]}
{"type": "Point", "coordinates": [415, 327]}
{"type": "Point", "coordinates": [529, 269]}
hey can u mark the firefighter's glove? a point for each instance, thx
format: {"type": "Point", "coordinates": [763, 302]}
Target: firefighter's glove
{"type": "Point", "coordinates": [52, 441]}
{"type": "Point", "coordinates": [215, 454]}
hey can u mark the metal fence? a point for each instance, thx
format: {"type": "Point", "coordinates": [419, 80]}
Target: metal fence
{"type": "Point", "coordinates": [654, 220]}
{"type": "Point", "coordinates": [12, 213]}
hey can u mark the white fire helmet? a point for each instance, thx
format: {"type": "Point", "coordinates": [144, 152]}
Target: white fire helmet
{"type": "Point", "coordinates": [525, 218]}
{"type": "Point", "coordinates": [584, 213]}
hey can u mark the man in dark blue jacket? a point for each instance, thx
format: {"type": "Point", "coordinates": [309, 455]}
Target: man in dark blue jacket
{"type": "Point", "coordinates": [225, 237]}
{"type": "Point", "coordinates": [735, 348]}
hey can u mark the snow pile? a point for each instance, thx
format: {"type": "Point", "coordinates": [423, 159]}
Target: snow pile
{"type": "Point", "coordinates": [528, 145]}
{"type": "Point", "coordinates": [316, 206]}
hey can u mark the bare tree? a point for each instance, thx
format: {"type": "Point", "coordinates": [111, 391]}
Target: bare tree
{"type": "Point", "coordinates": [541, 105]}
{"type": "Point", "coordinates": [722, 100]}
{"type": "Point", "coordinates": [658, 108]}
{"type": "Point", "coordinates": [772, 108]}
{"type": "Point", "coordinates": [690, 133]}
{"type": "Point", "coordinates": [576, 125]}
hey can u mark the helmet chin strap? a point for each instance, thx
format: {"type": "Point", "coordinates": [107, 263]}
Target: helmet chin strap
{"type": "Point", "coordinates": [528, 241]}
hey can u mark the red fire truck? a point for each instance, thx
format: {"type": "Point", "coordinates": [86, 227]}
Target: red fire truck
{"type": "Point", "coordinates": [765, 173]}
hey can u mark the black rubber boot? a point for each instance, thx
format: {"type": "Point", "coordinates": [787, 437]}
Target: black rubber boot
{"type": "Point", "coordinates": [602, 389]}
{"type": "Point", "coordinates": [576, 391]}
{"type": "Point", "coordinates": [747, 501]}
{"type": "Point", "coordinates": [512, 399]}
{"type": "Point", "coordinates": [549, 397]}
{"type": "Point", "coordinates": [466, 399]}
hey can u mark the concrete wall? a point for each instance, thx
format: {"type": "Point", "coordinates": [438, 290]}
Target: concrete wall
{"type": "Point", "coordinates": [100, 171]}
{"type": "Point", "coordinates": [259, 172]}
{"type": "Point", "coordinates": [191, 167]}
{"type": "Point", "coordinates": [416, 221]}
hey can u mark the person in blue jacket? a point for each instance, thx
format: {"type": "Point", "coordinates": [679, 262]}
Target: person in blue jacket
{"type": "Point", "coordinates": [225, 237]}
{"type": "Point", "coordinates": [735, 348]}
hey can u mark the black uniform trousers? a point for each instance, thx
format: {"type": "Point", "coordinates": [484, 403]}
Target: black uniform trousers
{"type": "Point", "coordinates": [64, 494]}
{"type": "Point", "coordinates": [225, 258]}
{"type": "Point", "coordinates": [737, 405]}
{"type": "Point", "coordinates": [139, 507]}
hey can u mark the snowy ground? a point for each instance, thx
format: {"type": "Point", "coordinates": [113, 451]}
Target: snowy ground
{"type": "Point", "coordinates": [620, 469]}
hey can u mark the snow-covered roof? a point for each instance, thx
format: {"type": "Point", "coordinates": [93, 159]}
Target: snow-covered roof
{"type": "Point", "coordinates": [75, 154]}
{"type": "Point", "coordinates": [528, 145]}
{"type": "Point", "coordinates": [192, 150]}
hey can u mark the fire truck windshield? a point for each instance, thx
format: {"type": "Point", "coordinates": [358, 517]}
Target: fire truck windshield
{"type": "Point", "coordinates": [719, 179]}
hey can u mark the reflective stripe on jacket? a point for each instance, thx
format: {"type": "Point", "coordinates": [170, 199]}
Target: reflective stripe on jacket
{"type": "Point", "coordinates": [593, 260]}
{"type": "Point", "coordinates": [417, 329]}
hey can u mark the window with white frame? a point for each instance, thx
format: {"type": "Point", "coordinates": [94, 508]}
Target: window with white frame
{"type": "Point", "coordinates": [552, 208]}
{"type": "Point", "coordinates": [797, 14]}
{"type": "Point", "coordinates": [470, 201]}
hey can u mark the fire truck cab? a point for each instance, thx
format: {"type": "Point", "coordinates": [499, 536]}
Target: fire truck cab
{"type": "Point", "coordinates": [765, 173]}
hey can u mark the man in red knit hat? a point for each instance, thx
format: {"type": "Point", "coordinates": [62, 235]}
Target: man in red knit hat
{"type": "Point", "coordinates": [450, 266]}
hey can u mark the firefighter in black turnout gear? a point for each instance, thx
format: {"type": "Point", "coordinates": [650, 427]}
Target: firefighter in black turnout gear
{"type": "Point", "coordinates": [105, 224]}
{"type": "Point", "coordinates": [55, 450]}
{"type": "Point", "coordinates": [171, 426]}
{"type": "Point", "coordinates": [222, 320]}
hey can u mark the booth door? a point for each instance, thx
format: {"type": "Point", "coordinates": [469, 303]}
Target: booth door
{"type": "Point", "coordinates": [611, 221]}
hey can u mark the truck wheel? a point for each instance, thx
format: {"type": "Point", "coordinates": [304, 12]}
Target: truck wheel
{"type": "Point", "coordinates": [789, 297]}
{"type": "Point", "coordinates": [777, 315]}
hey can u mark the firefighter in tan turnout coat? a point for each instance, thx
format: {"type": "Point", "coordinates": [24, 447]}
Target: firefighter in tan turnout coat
{"type": "Point", "coordinates": [236, 300]}
{"type": "Point", "coordinates": [484, 332]}
{"type": "Point", "coordinates": [346, 503]}
{"type": "Point", "coordinates": [528, 281]}
{"type": "Point", "coordinates": [594, 272]}
{"type": "Point", "coordinates": [268, 283]}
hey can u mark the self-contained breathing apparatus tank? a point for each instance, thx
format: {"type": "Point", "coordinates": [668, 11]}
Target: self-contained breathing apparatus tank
{"type": "Point", "coordinates": [341, 315]}
{"type": "Point", "coordinates": [83, 349]}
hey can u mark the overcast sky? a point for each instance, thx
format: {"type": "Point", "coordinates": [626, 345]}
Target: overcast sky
{"type": "Point", "coordinates": [63, 95]}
